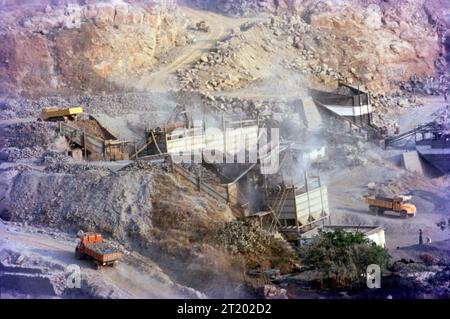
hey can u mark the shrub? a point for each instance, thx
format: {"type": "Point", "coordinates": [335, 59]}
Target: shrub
{"type": "Point", "coordinates": [258, 248]}
{"type": "Point", "coordinates": [342, 257]}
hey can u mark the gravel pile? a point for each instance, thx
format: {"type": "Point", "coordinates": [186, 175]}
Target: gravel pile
{"type": "Point", "coordinates": [103, 248]}
{"type": "Point", "coordinates": [93, 128]}
{"type": "Point", "coordinates": [29, 134]}
{"type": "Point", "coordinates": [17, 168]}
{"type": "Point", "coordinates": [144, 165]}
{"type": "Point", "coordinates": [50, 157]}
{"type": "Point", "coordinates": [111, 104]}
{"type": "Point", "coordinates": [91, 199]}
{"type": "Point", "coordinates": [198, 169]}
{"type": "Point", "coordinates": [13, 154]}
{"type": "Point", "coordinates": [73, 168]}
{"type": "Point", "coordinates": [19, 108]}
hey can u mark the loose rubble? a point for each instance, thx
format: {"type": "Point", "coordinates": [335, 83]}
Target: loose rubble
{"type": "Point", "coordinates": [14, 154]}
{"type": "Point", "coordinates": [50, 157]}
{"type": "Point", "coordinates": [252, 67]}
{"type": "Point", "coordinates": [29, 134]}
{"type": "Point", "coordinates": [315, 44]}
{"type": "Point", "coordinates": [429, 85]}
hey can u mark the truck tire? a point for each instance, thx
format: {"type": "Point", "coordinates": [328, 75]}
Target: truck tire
{"type": "Point", "coordinates": [78, 255]}
{"type": "Point", "coordinates": [373, 209]}
{"type": "Point", "coordinates": [404, 214]}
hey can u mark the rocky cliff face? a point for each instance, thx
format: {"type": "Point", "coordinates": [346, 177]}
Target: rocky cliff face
{"type": "Point", "coordinates": [247, 7]}
{"type": "Point", "coordinates": [82, 47]}
{"type": "Point", "coordinates": [371, 42]}
{"type": "Point", "coordinates": [381, 43]}
{"type": "Point", "coordinates": [78, 47]}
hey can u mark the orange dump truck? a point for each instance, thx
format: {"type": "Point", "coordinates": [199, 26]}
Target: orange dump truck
{"type": "Point", "coordinates": [398, 204]}
{"type": "Point", "coordinates": [92, 246]}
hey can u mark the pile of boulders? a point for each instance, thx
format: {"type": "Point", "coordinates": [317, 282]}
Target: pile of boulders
{"type": "Point", "coordinates": [222, 68]}
{"type": "Point", "coordinates": [430, 279]}
{"type": "Point", "coordinates": [386, 108]}
{"type": "Point", "coordinates": [223, 56]}
{"type": "Point", "coordinates": [427, 85]}
{"type": "Point", "coordinates": [390, 188]}
{"type": "Point", "coordinates": [354, 154]}
{"type": "Point", "coordinates": [247, 108]}
{"type": "Point", "coordinates": [307, 65]}
{"type": "Point", "coordinates": [350, 42]}
{"type": "Point", "coordinates": [310, 45]}
{"type": "Point", "coordinates": [273, 292]}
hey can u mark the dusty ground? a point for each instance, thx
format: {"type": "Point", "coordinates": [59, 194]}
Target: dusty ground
{"type": "Point", "coordinates": [430, 195]}
{"type": "Point", "coordinates": [244, 64]}
{"type": "Point", "coordinates": [53, 252]}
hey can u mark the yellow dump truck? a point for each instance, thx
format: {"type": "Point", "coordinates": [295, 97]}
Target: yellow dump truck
{"type": "Point", "coordinates": [397, 204]}
{"type": "Point", "coordinates": [57, 114]}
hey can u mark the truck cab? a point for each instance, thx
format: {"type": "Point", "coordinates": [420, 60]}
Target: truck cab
{"type": "Point", "coordinates": [410, 209]}
{"type": "Point", "coordinates": [397, 204]}
{"type": "Point", "coordinates": [400, 205]}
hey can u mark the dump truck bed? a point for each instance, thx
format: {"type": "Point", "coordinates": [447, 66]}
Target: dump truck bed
{"type": "Point", "coordinates": [51, 113]}
{"type": "Point", "coordinates": [380, 202]}
{"type": "Point", "coordinates": [102, 252]}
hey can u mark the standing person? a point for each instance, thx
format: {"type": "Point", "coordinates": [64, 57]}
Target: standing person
{"type": "Point", "coordinates": [445, 94]}
{"type": "Point", "coordinates": [420, 237]}
{"type": "Point", "coordinates": [396, 128]}
{"type": "Point", "coordinates": [414, 80]}
{"type": "Point", "coordinates": [414, 86]}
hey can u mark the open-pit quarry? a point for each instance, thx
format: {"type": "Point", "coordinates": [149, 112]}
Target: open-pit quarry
{"type": "Point", "coordinates": [218, 147]}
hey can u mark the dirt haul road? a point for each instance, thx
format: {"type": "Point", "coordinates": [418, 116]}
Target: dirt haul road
{"type": "Point", "coordinates": [163, 79]}
{"type": "Point", "coordinates": [430, 195]}
{"type": "Point", "coordinates": [423, 114]}
{"type": "Point", "coordinates": [126, 280]}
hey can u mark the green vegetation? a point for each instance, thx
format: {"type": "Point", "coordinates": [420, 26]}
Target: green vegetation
{"type": "Point", "coordinates": [342, 257]}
